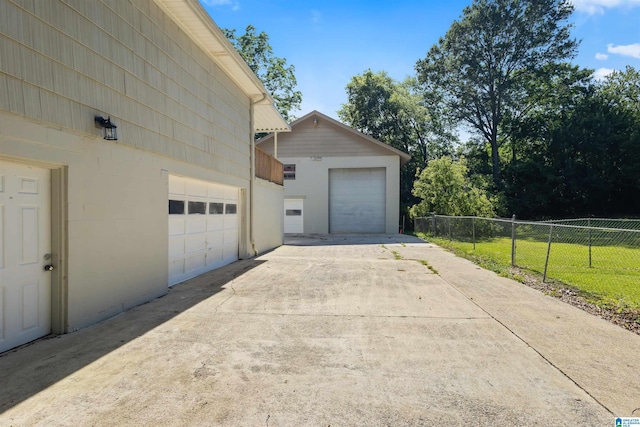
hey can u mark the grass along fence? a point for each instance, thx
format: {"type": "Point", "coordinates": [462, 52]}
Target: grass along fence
{"type": "Point", "coordinates": [603, 262]}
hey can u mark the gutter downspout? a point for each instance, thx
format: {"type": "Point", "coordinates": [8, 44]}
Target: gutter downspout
{"type": "Point", "coordinates": [275, 145]}
{"type": "Point", "coordinates": [253, 171]}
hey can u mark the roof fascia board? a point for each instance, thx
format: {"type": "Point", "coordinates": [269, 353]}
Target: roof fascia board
{"type": "Point", "coordinates": [191, 17]}
{"type": "Point", "coordinates": [404, 156]}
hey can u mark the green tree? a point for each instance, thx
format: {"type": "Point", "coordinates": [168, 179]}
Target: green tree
{"type": "Point", "coordinates": [601, 140]}
{"type": "Point", "coordinates": [275, 74]}
{"type": "Point", "coordinates": [397, 114]}
{"type": "Point", "coordinates": [445, 189]}
{"type": "Point", "coordinates": [535, 181]}
{"type": "Point", "coordinates": [578, 152]}
{"type": "Point", "coordinates": [481, 66]}
{"type": "Point", "coordinates": [622, 89]}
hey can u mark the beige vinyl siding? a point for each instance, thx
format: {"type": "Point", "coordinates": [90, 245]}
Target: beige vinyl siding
{"type": "Point", "coordinates": [64, 62]}
{"type": "Point", "coordinates": [322, 141]}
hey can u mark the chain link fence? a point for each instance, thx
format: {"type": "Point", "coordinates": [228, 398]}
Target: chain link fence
{"type": "Point", "coordinates": [622, 224]}
{"type": "Point", "coordinates": [587, 251]}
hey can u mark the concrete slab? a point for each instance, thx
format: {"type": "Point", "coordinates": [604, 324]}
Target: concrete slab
{"type": "Point", "coordinates": [597, 355]}
{"type": "Point", "coordinates": [327, 334]}
{"type": "Point", "coordinates": [337, 286]}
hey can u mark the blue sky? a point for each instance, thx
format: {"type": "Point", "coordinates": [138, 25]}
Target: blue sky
{"type": "Point", "coordinates": [331, 41]}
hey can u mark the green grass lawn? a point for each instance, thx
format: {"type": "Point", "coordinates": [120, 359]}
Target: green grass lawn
{"type": "Point", "coordinates": [612, 280]}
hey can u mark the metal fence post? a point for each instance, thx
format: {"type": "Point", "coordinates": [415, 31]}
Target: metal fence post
{"type": "Point", "coordinates": [513, 240]}
{"type": "Point", "coordinates": [589, 223]}
{"type": "Point", "coordinates": [435, 230]}
{"type": "Point", "coordinates": [473, 232]}
{"type": "Point", "coordinates": [546, 262]}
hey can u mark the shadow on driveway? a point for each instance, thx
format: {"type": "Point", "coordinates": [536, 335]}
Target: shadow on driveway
{"type": "Point", "coordinates": [29, 369]}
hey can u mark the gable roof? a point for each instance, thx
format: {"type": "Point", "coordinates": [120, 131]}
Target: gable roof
{"type": "Point", "coordinates": [191, 17]}
{"type": "Point", "coordinates": [404, 157]}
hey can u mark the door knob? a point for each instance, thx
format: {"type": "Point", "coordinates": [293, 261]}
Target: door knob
{"type": "Point", "coordinates": [48, 267]}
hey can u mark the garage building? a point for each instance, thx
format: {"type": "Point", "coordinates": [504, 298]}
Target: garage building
{"type": "Point", "coordinates": [337, 180]}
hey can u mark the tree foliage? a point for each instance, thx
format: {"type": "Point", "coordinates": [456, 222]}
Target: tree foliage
{"type": "Point", "coordinates": [549, 140]}
{"type": "Point", "coordinates": [482, 65]}
{"type": "Point", "coordinates": [579, 154]}
{"type": "Point", "coordinates": [445, 189]}
{"type": "Point", "coordinates": [277, 76]}
{"type": "Point", "coordinates": [398, 114]}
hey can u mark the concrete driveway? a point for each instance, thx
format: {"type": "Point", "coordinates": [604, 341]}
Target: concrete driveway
{"type": "Point", "coordinates": [333, 331]}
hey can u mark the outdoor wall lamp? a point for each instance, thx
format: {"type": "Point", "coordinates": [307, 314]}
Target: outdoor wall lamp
{"type": "Point", "coordinates": [315, 122]}
{"type": "Point", "coordinates": [108, 128]}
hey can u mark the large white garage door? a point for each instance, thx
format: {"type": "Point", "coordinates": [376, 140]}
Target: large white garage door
{"type": "Point", "coordinates": [203, 227]}
{"type": "Point", "coordinates": [25, 246]}
{"type": "Point", "coordinates": [357, 201]}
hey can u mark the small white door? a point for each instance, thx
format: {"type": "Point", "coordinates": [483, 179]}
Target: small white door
{"type": "Point", "coordinates": [25, 246]}
{"type": "Point", "coordinates": [293, 216]}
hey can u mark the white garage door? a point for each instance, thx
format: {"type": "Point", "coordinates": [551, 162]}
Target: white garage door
{"type": "Point", "coordinates": [25, 246]}
{"type": "Point", "coordinates": [357, 201]}
{"type": "Point", "coordinates": [293, 216]}
{"type": "Point", "coordinates": [203, 227]}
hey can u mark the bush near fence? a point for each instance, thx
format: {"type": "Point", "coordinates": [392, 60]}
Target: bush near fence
{"type": "Point", "coordinates": [593, 256]}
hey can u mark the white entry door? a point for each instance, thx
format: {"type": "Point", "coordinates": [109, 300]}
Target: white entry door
{"type": "Point", "coordinates": [293, 216]}
{"type": "Point", "coordinates": [25, 246]}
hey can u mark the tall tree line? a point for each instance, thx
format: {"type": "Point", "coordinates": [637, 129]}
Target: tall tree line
{"type": "Point", "coordinates": [549, 141]}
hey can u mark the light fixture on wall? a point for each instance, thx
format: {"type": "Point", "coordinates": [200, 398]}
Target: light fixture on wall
{"type": "Point", "coordinates": [108, 128]}
{"type": "Point", "coordinates": [315, 122]}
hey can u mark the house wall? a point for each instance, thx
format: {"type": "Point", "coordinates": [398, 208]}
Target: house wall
{"type": "Point", "coordinates": [269, 215]}
{"type": "Point", "coordinates": [312, 185]}
{"type": "Point", "coordinates": [62, 63]}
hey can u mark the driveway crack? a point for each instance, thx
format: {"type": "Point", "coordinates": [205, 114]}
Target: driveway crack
{"type": "Point", "coordinates": [546, 359]}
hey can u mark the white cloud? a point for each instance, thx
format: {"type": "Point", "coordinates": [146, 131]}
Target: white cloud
{"type": "Point", "coordinates": [601, 56]}
{"type": "Point", "coordinates": [632, 50]}
{"type": "Point", "coordinates": [601, 73]}
{"type": "Point", "coordinates": [593, 7]}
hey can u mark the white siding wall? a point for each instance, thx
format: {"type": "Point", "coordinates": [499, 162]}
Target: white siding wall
{"type": "Point", "coordinates": [61, 63]}
{"type": "Point", "coordinates": [312, 184]}
{"type": "Point", "coordinates": [269, 215]}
